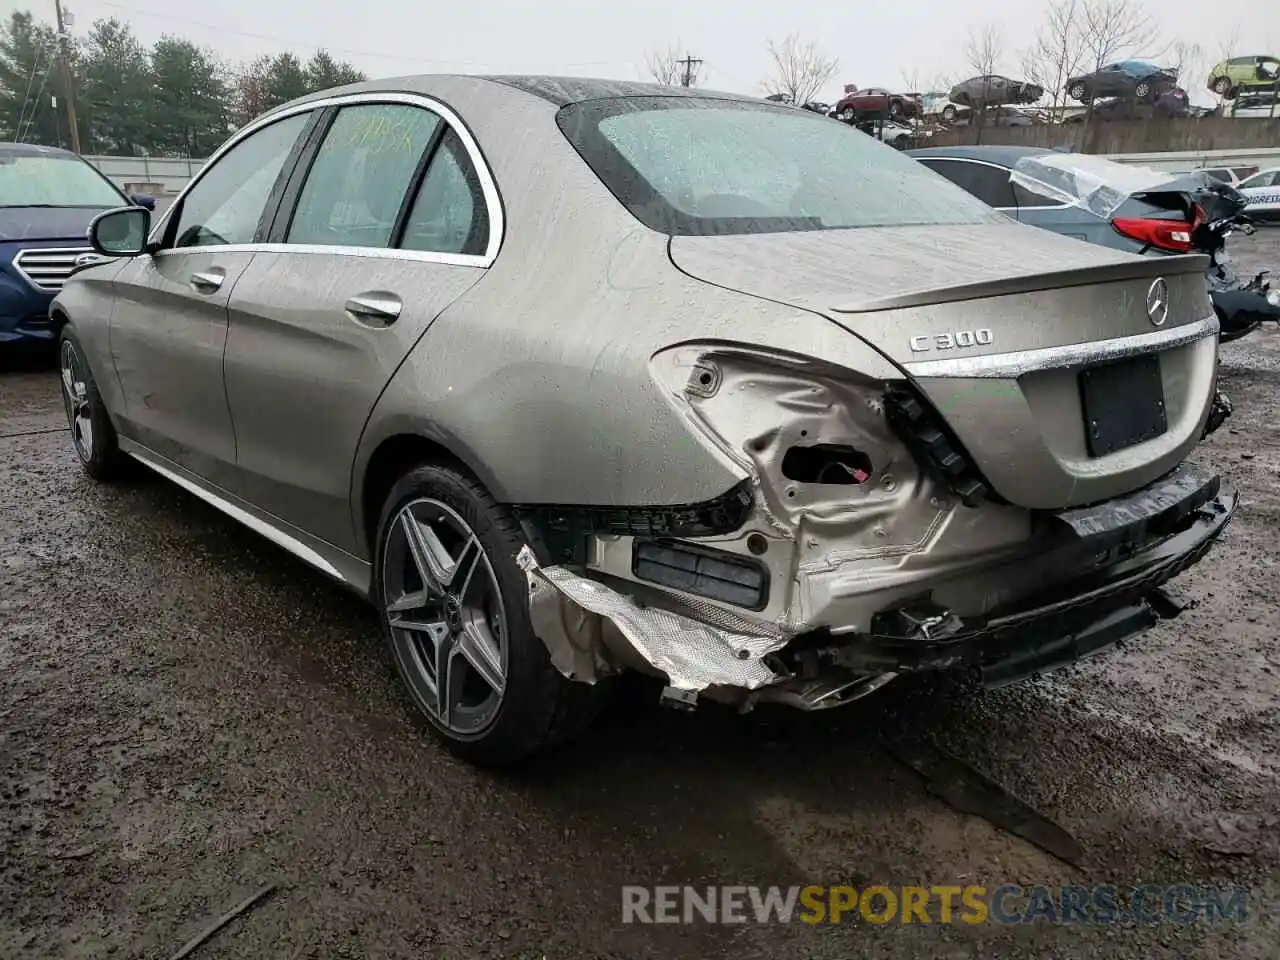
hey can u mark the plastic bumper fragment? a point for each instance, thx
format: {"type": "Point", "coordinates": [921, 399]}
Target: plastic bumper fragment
{"type": "Point", "coordinates": [692, 655]}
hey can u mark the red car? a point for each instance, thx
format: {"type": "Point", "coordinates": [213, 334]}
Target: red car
{"type": "Point", "coordinates": [876, 100]}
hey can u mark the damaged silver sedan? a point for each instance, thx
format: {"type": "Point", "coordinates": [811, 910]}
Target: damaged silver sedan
{"type": "Point", "coordinates": [571, 377]}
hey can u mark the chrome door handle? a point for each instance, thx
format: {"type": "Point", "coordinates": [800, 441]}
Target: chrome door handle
{"type": "Point", "coordinates": [383, 307]}
{"type": "Point", "coordinates": [207, 282]}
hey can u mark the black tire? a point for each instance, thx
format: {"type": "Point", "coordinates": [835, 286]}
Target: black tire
{"type": "Point", "coordinates": [1222, 87]}
{"type": "Point", "coordinates": [949, 114]}
{"type": "Point", "coordinates": [539, 708]}
{"type": "Point", "coordinates": [1142, 90]}
{"type": "Point", "coordinates": [1079, 93]}
{"type": "Point", "coordinates": [99, 449]}
{"type": "Point", "coordinates": [895, 108]}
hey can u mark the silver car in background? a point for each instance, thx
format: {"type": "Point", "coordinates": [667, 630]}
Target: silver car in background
{"type": "Point", "coordinates": [572, 376]}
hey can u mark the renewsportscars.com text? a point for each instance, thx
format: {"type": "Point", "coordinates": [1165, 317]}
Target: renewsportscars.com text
{"type": "Point", "coordinates": [1006, 904]}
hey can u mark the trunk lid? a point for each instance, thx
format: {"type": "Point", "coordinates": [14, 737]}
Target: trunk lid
{"type": "Point", "coordinates": [994, 324]}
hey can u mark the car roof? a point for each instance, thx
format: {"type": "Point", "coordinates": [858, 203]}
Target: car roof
{"type": "Point", "coordinates": [1000, 154]}
{"type": "Point", "coordinates": [33, 150]}
{"type": "Point", "coordinates": [559, 91]}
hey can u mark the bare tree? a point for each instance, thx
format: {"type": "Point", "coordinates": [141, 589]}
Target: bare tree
{"type": "Point", "coordinates": [1117, 28]}
{"type": "Point", "coordinates": [667, 67]}
{"type": "Point", "coordinates": [1058, 50]}
{"type": "Point", "coordinates": [1185, 60]}
{"type": "Point", "coordinates": [983, 50]}
{"type": "Point", "coordinates": [1227, 50]}
{"type": "Point", "coordinates": [799, 69]}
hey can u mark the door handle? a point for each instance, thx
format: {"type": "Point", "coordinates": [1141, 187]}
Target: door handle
{"type": "Point", "coordinates": [207, 282]}
{"type": "Point", "coordinates": [383, 307]}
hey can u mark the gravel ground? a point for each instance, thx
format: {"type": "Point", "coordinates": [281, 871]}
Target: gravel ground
{"type": "Point", "coordinates": [187, 713]}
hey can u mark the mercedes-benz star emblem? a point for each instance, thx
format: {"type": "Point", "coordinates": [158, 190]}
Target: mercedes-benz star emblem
{"type": "Point", "coordinates": [1158, 302]}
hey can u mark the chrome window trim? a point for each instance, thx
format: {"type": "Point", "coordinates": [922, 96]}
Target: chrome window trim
{"type": "Point", "coordinates": [381, 253]}
{"type": "Point", "coordinates": [488, 186]}
{"type": "Point", "coordinates": [1019, 362]}
{"type": "Point", "coordinates": [996, 166]}
{"type": "Point", "coordinates": [17, 265]}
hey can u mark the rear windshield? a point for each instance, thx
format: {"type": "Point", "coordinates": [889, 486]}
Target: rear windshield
{"type": "Point", "coordinates": [698, 166]}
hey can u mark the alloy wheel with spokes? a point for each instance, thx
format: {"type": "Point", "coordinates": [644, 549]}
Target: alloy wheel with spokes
{"type": "Point", "coordinates": [75, 397]}
{"type": "Point", "coordinates": [446, 617]}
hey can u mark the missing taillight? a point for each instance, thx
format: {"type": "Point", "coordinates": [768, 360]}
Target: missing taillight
{"type": "Point", "coordinates": [828, 463]}
{"type": "Point", "coordinates": [1174, 235]}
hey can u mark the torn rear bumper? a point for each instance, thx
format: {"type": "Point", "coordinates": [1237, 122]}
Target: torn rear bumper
{"type": "Point", "coordinates": [1127, 549]}
{"type": "Point", "coordinates": [1121, 551]}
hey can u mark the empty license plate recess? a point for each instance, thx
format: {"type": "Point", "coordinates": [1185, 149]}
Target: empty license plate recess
{"type": "Point", "coordinates": [1123, 404]}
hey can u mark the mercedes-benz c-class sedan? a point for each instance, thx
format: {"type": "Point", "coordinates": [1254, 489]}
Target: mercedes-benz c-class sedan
{"type": "Point", "coordinates": [570, 377]}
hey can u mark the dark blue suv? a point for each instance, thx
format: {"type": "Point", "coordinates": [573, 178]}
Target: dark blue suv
{"type": "Point", "coordinates": [47, 199]}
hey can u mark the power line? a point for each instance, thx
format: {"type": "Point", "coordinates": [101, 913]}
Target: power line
{"type": "Point", "coordinates": [36, 104]}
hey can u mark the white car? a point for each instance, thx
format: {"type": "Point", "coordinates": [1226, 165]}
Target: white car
{"type": "Point", "coordinates": [1263, 191]}
{"type": "Point", "coordinates": [1228, 175]}
{"type": "Point", "coordinates": [939, 107]}
{"type": "Point", "coordinates": [899, 135]}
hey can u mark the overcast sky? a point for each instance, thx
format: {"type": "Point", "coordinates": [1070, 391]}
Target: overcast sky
{"type": "Point", "coordinates": [877, 44]}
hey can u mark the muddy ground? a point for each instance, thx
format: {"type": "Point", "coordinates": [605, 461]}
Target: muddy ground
{"type": "Point", "coordinates": [187, 713]}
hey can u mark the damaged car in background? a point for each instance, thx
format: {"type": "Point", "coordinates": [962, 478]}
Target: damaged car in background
{"type": "Point", "coordinates": [558, 374]}
{"type": "Point", "coordinates": [1146, 211]}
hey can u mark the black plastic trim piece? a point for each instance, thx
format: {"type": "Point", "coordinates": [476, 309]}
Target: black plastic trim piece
{"type": "Point", "coordinates": [702, 571]}
{"type": "Point", "coordinates": [564, 525]}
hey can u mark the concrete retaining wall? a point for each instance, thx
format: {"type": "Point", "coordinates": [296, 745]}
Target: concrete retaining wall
{"type": "Point", "coordinates": [1130, 136]}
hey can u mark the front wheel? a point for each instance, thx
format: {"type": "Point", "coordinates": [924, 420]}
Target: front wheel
{"type": "Point", "coordinates": [847, 114]}
{"type": "Point", "coordinates": [92, 435]}
{"type": "Point", "coordinates": [1079, 93]}
{"type": "Point", "coordinates": [1222, 86]}
{"type": "Point", "coordinates": [455, 615]}
{"type": "Point", "coordinates": [1142, 90]}
{"type": "Point", "coordinates": [895, 108]}
{"type": "Point", "coordinates": [948, 114]}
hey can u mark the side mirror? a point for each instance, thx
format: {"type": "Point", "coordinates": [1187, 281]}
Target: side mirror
{"type": "Point", "coordinates": [122, 232]}
{"type": "Point", "coordinates": [144, 200]}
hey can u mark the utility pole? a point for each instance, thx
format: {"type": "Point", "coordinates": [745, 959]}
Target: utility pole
{"type": "Point", "coordinates": [68, 81]}
{"type": "Point", "coordinates": [690, 65]}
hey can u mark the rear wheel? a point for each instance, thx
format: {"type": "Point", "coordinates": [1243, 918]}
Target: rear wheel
{"type": "Point", "coordinates": [92, 435]}
{"type": "Point", "coordinates": [1079, 92]}
{"type": "Point", "coordinates": [455, 615]}
{"type": "Point", "coordinates": [847, 114]}
{"type": "Point", "coordinates": [895, 108]}
{"type": "Point", "coordinates": [1142, 90]}
{"type": "Point", "coordinates": [949, 114]}
{"type": "Point", "coordinates": [1222, 86]}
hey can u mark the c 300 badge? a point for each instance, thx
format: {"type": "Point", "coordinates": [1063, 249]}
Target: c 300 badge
{"type": "Point", "coordinates": [953, 340]}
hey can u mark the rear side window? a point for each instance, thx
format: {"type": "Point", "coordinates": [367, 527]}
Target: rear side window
{"type": "Point", "coordinates": [697, 166]}
{"type": "Point", "coordinates": [989, 184]}
{"type": "Point", "coordinates": [361, 173]}
{"type": "Point", "coordinates": [449, 213]}
{"type": "Point", "coordinates": [226, 203]}
{"type": "Point", "coordinates": [1029, 198]}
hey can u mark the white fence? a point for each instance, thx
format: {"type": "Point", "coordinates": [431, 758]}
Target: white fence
{"type": "Point", "coordinates": [166, 176]}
